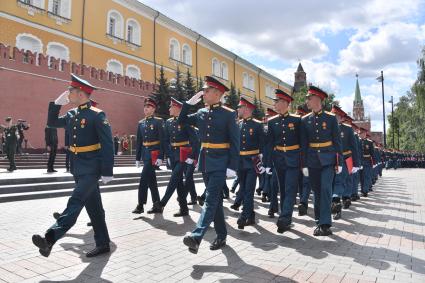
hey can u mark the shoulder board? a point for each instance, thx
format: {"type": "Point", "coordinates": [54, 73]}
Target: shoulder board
{"type": "Point", "coordinates": [195, 128]}
{"type": "Point", "coordinates": [329, 113]}
{"type": "Point", "coordinates": [257, 121]}
{"type": "Point", "coordinates": [142, 120]}
{"type": "Point", "coordinates": [347, 125]}
{"type": "Point", "coordinates": [274, 117]}
{"type": "Point", "coordinates": [170, 119]}
{"type": "Point", "coordinates": [158, 118]}
{"type": "Point", "coordinates": [227, 108]}
{"type": "Point", "coordinates": [307, 115]}
{"type": "Point", "coordinates": [95, 109]}
{"type": "Point", "coordinates": [295, 115]}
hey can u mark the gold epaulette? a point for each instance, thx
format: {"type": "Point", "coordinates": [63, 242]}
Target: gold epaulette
{"type": "Point", "coordinates": [295, 115]}
{"type": "Point", "coordinates": [158, 118]}
{"type": "Point", "coordinates": [348, 125]}
{"type": "Point", "coordinates": [330, 113]}
{"type": "Point", "coordinates": [257, 121]}
{"type": "Point", "coordinates": [95, 109]}
{"type": "Point", "coordinates": [227, 108]}
{"type": "Point", "coordinates": [274, 117]}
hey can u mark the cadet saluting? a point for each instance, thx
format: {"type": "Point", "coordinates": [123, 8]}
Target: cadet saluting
{"type": "Point", "coordinates": [219, 136]}
{"type": "Point", "coordinates": [92, 157]}
{"type": "Point", "coordinates": [322, 157]}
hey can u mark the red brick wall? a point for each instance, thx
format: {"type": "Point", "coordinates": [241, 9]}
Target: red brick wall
{"type": "Point", "coordinates": [27, 88]}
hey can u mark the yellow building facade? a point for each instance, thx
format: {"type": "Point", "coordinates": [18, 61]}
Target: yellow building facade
{"type": "Point", "coordinates": [128, 38]}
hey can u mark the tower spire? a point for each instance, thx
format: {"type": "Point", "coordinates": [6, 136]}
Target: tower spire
{"type": "Point", "coordinates": [357, 94]}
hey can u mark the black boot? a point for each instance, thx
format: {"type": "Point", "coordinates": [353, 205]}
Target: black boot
{"type": "Point", "coordinates": [192, 243]}
{"type": "Point", "coordinates": [181, 213]}
{"type": "Point", "coordinates": [346, 203]}
{"type": "Point", "coordinates": [98, 251]}
{"type": "Point", "coordinates": [201, 200]}
{"type": "Point", "coordinates": [302, 209]}
{"type": "Point", "coordinates": [271, 213]}
{"type": "Point", "coordinates": [156, 208]}
{"type": "Point", "coordinates": [235, 206]}
{"type": "Point", "coordinates": [42, 244]}
{"type": "Point", "coordinates": [217, 244]}
{"type": "Point", "coordinates": [56, 215]}
{"type": "Point", "coordinates": [258, 191]}
{"type": "Point", "coordinates": [139, 209]}
{"type": "Point", "coordinates": [241, 223]}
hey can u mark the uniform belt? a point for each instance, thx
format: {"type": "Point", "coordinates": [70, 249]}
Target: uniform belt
{"type": "Point", "coordinates": [287, 148]}
{"type": "Point", "coordinates": [179, 143]}
{"type": "Point", "coordinates": [366, 155]}
{"type": "Point", "coordinates": [347, 152]}
{"type": "Point", "coordinates": [215, 145]}
{"type": "Point", "coordinates": [87, 148]}
{"type": "Point", "coordinates": [249, 152]}
{"type": "Point", "coordinates": [320, 144]}
{"type": "Point", "coordinates": [151, 143]}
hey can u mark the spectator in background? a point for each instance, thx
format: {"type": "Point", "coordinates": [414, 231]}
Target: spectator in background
{"type": "Point", "coordinates": [51, 137]}
{"type": "Point", "coordinates": [116, 143]}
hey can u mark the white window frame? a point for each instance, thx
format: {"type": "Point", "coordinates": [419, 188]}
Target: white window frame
{"type": "Point", "coordinates": [58, 44]}
{"type": "Point", "coordinates": [136, 68]}
{"type": "Point", "coordinates": [137, 31]}
{"type": "Point", "coordinates": [251, 82]}
{"type": "Point", "coordinates": [119, 24]}
{"type": "Point", "coordinates": [188, 58]}
{"type": "Point", "coordinates": [224, 71]}
{"type": "Point", "coordinates": [20, 37]}
{"type": "Point", "coordinates": [174, 53]}
{"type": "Point", "coordinates": [216, 67]}
{"type": "Point", "coordinates": [65, 7]}
{"type": "Point", "coordinates": [114, 61]}
{"type": "Point", "coordinates": [245, 80]}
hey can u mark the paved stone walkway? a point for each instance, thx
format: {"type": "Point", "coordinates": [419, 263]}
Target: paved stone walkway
{"type": "Point", "coordinates": [381, 239]}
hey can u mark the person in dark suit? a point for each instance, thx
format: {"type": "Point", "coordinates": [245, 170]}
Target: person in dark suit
{"type": "Point", "coordinates": [51, 138]}
{"type": "Point", "coordinates": [92, 159]}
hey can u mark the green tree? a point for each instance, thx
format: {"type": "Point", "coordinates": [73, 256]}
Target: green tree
{"type": "Point", "coordinates": [162, 95]}
{"type": "Point", "coordinates": [232, 99]}
{"type": "Point", "coordinates": [258, 112]}
{"type": "Point", "coordinates": [300, 99]}
{"type": "Point", "coordinates": [177, 88]}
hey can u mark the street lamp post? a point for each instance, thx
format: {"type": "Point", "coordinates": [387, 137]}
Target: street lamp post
{"type": "Point", "coordinates": [381, 79]}
{"type": "Point", "coordinates": [392, 120]}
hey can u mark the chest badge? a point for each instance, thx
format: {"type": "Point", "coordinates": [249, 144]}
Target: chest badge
{"type": "Point", "coordinates": [83, 123]}
{"type": "Point", "coordinates": [291, 126]}
{"type": "Point", "coordinates": [251, 131]}
{"type": "Point", "coordinates": [342, 134]}
{"type": "Point", "coordinates": [324, 125]}
{"type": "Point", "coordinates": [151, 127]}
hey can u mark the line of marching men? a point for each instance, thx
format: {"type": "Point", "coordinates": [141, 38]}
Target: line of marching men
{"type": "Point", "coordinates": [320, 151]}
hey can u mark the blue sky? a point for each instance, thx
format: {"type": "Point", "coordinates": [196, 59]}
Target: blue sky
{"type": "Point", "coordinates": [333, 39]}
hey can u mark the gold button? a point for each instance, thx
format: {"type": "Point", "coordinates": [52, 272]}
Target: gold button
{"type": "Point", "coordinates": [75, 144]}
{"type": "Point", "coordinates": [318, 150]}
{"type": "Point", "coordinates": [75, 136]}
{"type": "Point", "coordinates": [75, 128]}
{"type": "Point", "coordinates": [208, 135]}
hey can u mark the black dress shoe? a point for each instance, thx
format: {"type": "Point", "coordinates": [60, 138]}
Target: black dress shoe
{"type": "Point", "coordinates": [258, 191]}
{"type": "Point", "coordinates": [217, 244]}
{"type": "Point", "coordinates": [235, 206]}
{"type": "Point", "coordinates": [346, 203]}
{"type": "Point", "coordinates": [98, 251]}
{"type": "Point", "coordinates": [241, 223]}
{"type": "Point", "coordinates": [250, 221]}
{"type": "Point", "coordinates": [138, 210]}
{"type": "Point", "coordinates": [264, 198]}
{"type": "Point", "coordinates": [192, 243]}
{"type": "Point", "coordinates": [181, 213]}
{"type": "Point", "coordinates": [192, 202]}
{"type": "Point", "coordinates": [10, 169]}
{"type": "Point", "coordinates": [271, 213]}
{"type": "Point", "coordinates": [283, 228]}
{"type": "Point", "coordinates": [42, 244]}
{"type": "Point", "coordinates": [322, 230]}
{"type": "Point", "coordinates": [364, 195]}
{"type": "Point", "coordinates": [201, 201]}
{"type": "Point", "coordinates": [156, 208]}
{"type": "Point", "coordinates": [302, 209]}
{"type": "Point", "coordinates": [226, 196]}
{"type": "Point", "coordinates": [56, 215]}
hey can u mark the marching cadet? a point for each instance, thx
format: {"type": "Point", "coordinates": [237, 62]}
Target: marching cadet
{"type": "Point", "coordinates": [284, 150]}
{"type": "Point", "coordinates": [342, 183]}
{"type": "Point", "coordinates": [11, 134]}
{"type": "Point", "coordinates": [219, 137]}
{"type": "Point", "coordinates": [367, 162]}
{"type": "Point", "coordinates": [357, 175]}
{"type": "Point", "coordinates": [181, 147]}
{"type": "Point", "coordinates": [150, 149]}
{"type": "Point", "coordinates": [322, 156]}
{"type": "Point", "coordinates": [304, 187]}
{"type": "Point", "coordinates": [251, 149]}
{"type": "Point", "coordinates": [92, 158]}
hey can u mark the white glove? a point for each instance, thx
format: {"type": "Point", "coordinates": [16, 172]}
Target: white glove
{"type": "Point", "coordinates": [106, 179]}
{"type": "Point", "coordinates": [339, 170]}
{"type": "Point", "coordinates": [137, 163]}
{"type": "Point", "coordinates": [158, 162]}
{"type": "Point", "coordinates": [269, 170]}
{"type": "Point", "coordinates": [305, 172]}
{"type": "Point", "coordinates": [262, 169]}
{"type": "Point", "coordinates": [169, 161]}
{"type": "Point", "coordinates": [230, 173]}
{"type": "Point", "coordinates": [196, 98]}
{"type": "Point", "coordinates": [374, 166]}
{"type": "Point", "coordinates": [189, 161]}
{"type": "Point", "coordinates": [355, 169]}
{"type": "Point", "coordinates": [361, 167]}
{"type": "Point", "coordinates": [260, 155]}
{"type": "Point", "coordinates": [63, 99]}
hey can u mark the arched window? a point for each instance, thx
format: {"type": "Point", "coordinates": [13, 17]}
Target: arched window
{"type": "Point", "coordinates": [251, 83]}
{"type": "Point", "coordinates": [114, 66]}
{"type": "Point", "coordinates": [29, 42]}
{"type": "Point", "coordinates": [245, 80]}
{"type": "Point", "coordinates": [114, 26]}
{"type": "Point", "coordinates": [133, 32]}
{"type": "Point", "coordinates": [36, 3]}
{"type": "Point", "coordinates": [132, 71]}
{"type": "Point", "coordinates": [58, 50]}
{"type": "Point", "coordinates": [224, 71]}
{"type": "Point", "coordinates": [187, 54]}
{"type": "Point", "coordinates": [216, 67]}
{"type": "Point", "coordinates": [174, 49]}
{"type": "Point", "coordinates": [61, 8]}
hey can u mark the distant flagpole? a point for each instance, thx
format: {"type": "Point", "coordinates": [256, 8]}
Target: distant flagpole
{"type": "Point", "coordinates": [381, 80]}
